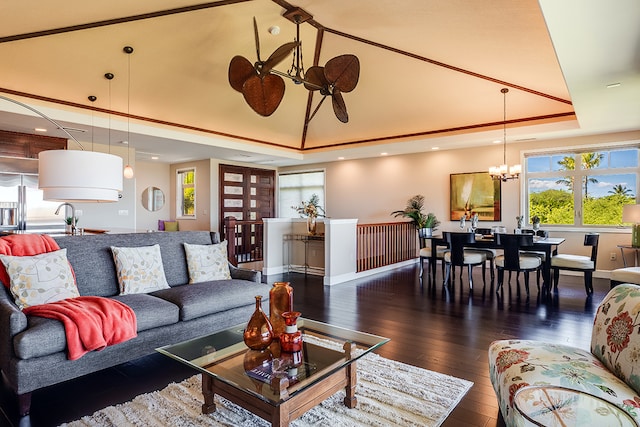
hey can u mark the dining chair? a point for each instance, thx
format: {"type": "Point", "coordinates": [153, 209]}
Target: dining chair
{"type": "Point", "coordinates": [426, 255]}
{"type": "Point", "coordinates": [539, 254]}
{"type": "Point", "coordinates": [514, 260]}
{"type": "Point", "coordinates": [488, 252]}
{"type": "Point", "coordinates": [583, 263]}
{"type": "Point", "coordinates": [458, 256]}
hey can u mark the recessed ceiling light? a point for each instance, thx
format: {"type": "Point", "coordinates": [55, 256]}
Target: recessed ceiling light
{"type": "Point", "coordinates": [612, 85]}
{"type": "Point", "coordinates": [383, 154]}
{"type": "Point", "coordinates": [341, 158]}
{"type": "Point", "coordinates": [497, 141]}
{"type": "Point", "coordinates": [154, 157]}
{"type": "Point", "coordinates": [40, 129]}
{"type": "Point", "coordinates": [435, 148]}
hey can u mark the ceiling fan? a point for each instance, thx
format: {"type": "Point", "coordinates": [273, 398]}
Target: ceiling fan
{"type": "Point", "coordinates": [263, 87]}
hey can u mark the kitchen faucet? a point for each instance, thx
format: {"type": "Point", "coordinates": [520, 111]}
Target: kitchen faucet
{"type": "Point", "coordinates": [73, 215]}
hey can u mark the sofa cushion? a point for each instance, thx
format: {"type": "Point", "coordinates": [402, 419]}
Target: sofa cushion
{"type": "Point", "coordinates": [40, 279]}
{"type": "Point", "coordinates": [92, 260]}
{"type": "Point", "coordinates": [151, 312]}
{"type": "Point", "coordinates": [139, 269]}
{"type": "Point", "coordinates": [201, 299]}
{"type": "Point", "coordinates": [514, 364]}
{"type": "Point", "coordinates": [615, 340]}
{"type": "Point", "coordinates": [207, 262]}
{"type": "Point", "coordinates": [47, 336]}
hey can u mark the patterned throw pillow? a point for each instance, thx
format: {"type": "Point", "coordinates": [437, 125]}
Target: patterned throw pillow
{"type": "Point", "coordinates": [40, 279]}
{"type": "Point", "coordinates": [207, 262]}
{"type": "Point", "coordinates": [139, 270]}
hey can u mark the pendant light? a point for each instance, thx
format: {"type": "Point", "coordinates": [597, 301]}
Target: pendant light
{"type": "Point", "coordinates": [128, 169]}
{"type": "Point", "coordinates": [504, 172]}
{"type": "Point", "coordinates": [76, 175]}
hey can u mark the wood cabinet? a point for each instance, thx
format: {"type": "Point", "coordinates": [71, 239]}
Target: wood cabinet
{"type": "Point", "coordinates": [14, 144]}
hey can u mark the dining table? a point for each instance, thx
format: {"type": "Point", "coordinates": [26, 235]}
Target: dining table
{"type": "Point", "coordinates": [546, 245]}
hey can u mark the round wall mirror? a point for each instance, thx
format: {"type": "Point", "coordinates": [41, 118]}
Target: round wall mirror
{"type": "Point", "coordinates": [152, 199]}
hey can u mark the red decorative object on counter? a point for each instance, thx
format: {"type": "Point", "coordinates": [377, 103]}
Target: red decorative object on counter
{"type": "Point", "coordinates": [280, 301]}
{"type": "Point", "coordinates": [291, 339]}
{"type": "Point", "coordinates": [258, 334]}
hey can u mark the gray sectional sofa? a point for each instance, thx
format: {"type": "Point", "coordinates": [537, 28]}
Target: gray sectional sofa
{"type": "Point", "coordinates": [33, 349]}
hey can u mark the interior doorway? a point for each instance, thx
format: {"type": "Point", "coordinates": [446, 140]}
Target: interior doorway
{"type": "Point", "coordinates": [248, 195]}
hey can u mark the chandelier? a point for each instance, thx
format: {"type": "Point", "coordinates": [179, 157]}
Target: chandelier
{"type": "Point", "coordinates": [504, 172]}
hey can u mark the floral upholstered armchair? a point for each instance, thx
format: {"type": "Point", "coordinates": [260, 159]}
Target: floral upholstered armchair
{"type": "Point", "coordinates": [611, 371]}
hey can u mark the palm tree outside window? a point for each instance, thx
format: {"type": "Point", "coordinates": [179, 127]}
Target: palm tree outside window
{"type": "Point", "coordinates": [607, 180]}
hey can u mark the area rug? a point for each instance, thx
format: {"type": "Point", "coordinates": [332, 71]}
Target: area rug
{"type": "Point", "coordinates": [388, 392]}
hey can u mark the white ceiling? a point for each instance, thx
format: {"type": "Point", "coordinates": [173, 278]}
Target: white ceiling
{"type": "Point", "coordinates": [431, 74]}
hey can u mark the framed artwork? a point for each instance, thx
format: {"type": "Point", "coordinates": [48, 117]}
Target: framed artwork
{"type": "Point", "coordinates": [472, 193]}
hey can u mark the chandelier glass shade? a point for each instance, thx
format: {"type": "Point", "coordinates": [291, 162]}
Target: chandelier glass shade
{"type": "Point", "coordinates": [504, 172]}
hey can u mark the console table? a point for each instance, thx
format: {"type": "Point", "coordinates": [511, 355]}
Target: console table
{"type": "Point", "coordinates": [305, 239]}
{"type": "Point", "coordinates": [635, 250]}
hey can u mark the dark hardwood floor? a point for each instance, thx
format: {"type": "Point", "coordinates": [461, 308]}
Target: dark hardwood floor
{"type": "Point", "coordinates": [444, 330]}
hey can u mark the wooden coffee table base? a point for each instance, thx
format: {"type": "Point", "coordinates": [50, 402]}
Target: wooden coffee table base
{"type": "Point", "coordinates": [291, 407]}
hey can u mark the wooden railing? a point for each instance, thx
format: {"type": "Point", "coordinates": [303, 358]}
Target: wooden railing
{"type": "Point", "coordinates": [245, 240]}
{"type": "Point", "coordinates": [384, 244]}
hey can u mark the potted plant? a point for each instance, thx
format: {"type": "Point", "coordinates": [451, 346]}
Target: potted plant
{"type": "Point", "coordinates": [70, 224]}
{"type": "Point", "coordinates": [414, 210]}
{"type": "Point", "coordinates": [311, 210]}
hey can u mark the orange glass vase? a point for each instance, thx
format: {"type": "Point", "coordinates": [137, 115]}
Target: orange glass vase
{"type": "Point", "coordinates": [280, 301]}
{"type": "Point", "coordinates": [258, 334]}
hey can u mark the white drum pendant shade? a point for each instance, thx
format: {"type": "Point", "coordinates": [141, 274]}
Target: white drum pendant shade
{"type": "Point", "coordinates": [79, 176]}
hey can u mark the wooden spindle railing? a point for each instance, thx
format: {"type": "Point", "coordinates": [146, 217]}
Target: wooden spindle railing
{"type": "Point", "coordinates": [384, 244]}
{"type": "Point", "coordinates": [245, 240]}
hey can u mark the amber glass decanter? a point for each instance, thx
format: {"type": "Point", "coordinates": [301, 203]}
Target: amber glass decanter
{"type": "Point", "coordinates": [258, 334]}
{"type": "Point", "coordinates": [291, 339]}
{"type": "Point", "coordinates": [280, 301]}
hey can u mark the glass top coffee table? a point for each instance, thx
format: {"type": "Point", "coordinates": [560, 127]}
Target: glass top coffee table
{"type": "Point", "coordinates": [276, 386]}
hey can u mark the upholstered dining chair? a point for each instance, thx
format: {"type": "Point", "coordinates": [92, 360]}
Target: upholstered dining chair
{"type": "Point", "coordinates": [514, 260]}
{"type": "Point", "coordinates": [539, 254]}
{"type": "Point", "coordinates": [458, 256]}
{"type": "Point", "coordinates": [426, 255]}
{"type": "Point", "coordinates": [583, 263]}
{"type": "Point", "coordinates": [489, 252]}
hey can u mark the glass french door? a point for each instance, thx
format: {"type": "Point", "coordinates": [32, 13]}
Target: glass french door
{"type": "Point", "coordinates": [248, 195]}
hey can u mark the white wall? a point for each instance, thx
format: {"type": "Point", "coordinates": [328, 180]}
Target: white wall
{"type": "Point", "coordinates": [370, 189]}
{"type": "Point", "coordinates": [113, 216]}
{"type": "Point", "coordinates": [151, 174]}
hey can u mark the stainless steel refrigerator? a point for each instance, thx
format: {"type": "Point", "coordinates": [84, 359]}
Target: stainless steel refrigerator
{"type": "Point", "coordinates": [21, 204]}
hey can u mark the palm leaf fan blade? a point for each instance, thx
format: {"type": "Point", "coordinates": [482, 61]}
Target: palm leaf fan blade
{"type": "Point", "coordinates": [343, 72]}
{"type": "Point", "coordinates": [339, 107]}
{"type": "Point", "coordinates": [278, 56]}
{"type": "Point", "coordinates": [255, 35]}
{"type": "Point", "coordinates": [240, 70]}
{"type": "Point", "coordinates": [314, 79]}
{"type": "Point", "coordinates": [264, 94]}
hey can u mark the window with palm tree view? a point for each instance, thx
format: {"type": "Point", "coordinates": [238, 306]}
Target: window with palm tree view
{"type": "Point", "coordinates": [582, 188]}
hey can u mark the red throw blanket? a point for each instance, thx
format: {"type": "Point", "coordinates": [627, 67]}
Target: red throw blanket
{"type": "Point", "coordinates": [24, 245]}
{"type": "Point", "coordinates": [91, 323]}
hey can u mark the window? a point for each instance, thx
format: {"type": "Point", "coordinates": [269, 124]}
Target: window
{"type": "Point", "coordinates": [585, 188]}
{"type": "Point", "coordinates": [298, 187]}
{"type": "Point", "coordinates": [186, 191]}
